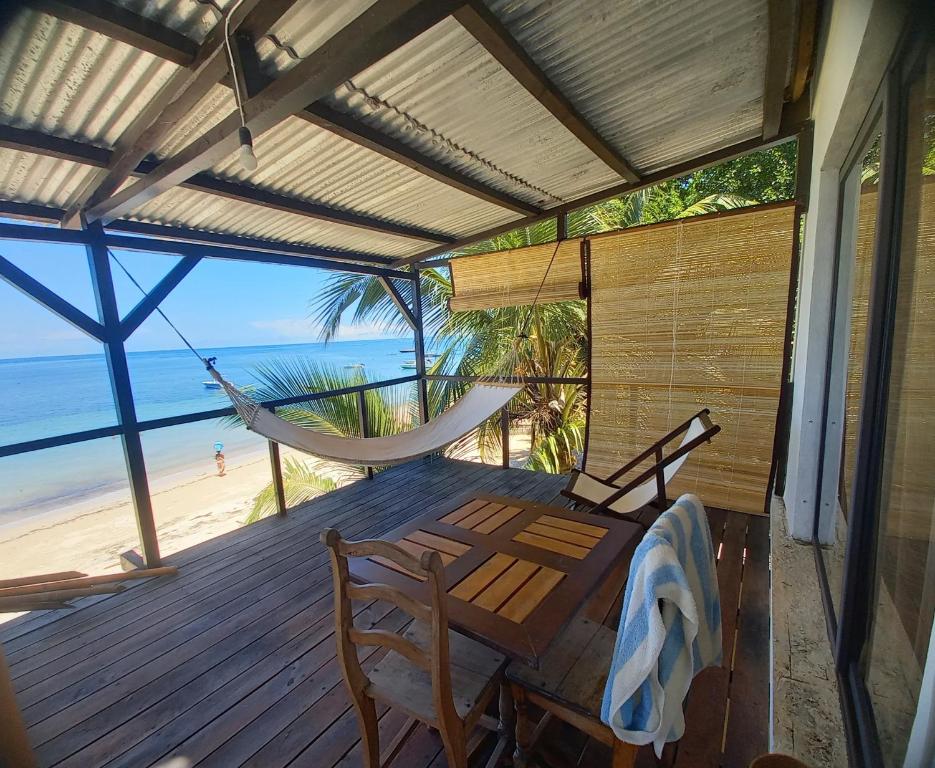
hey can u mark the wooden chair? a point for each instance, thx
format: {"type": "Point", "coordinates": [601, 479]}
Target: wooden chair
{"type": "Point", "coordinates": [569, 685]}
{"type": "Point", "coordinates": [418, 675]}
{"type": "Point", "coordinates": [611, 495]}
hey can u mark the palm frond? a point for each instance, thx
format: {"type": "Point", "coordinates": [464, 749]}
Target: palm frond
{"type": "Point", "coordinates": [300, 484]}
{"type": "Point", "coordinates": [716, 202]}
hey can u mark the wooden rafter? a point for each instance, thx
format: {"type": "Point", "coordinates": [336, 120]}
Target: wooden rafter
{"type": "Point", "coordinates": [28, 140]}
{"type": "Point", "coordinates": [804, 48]}
{"type": "Point", "coordinates": [345, 126]}
{"type": "Point", "coordinates": [404, 309]}
{"type": "Point", "coordinates": [779, 49]}
{"type": "Point", "coordinates": [178, 97]}
{"type": "Point", "coordinates": [120, 23]}
{"type": "Point", "coordinates": [490, 32]}
{"type": "Point", "coordinates": [380, 30]}
{"type": "Point", "coordinates": [255, 244]}
{"type": "Point", "coordinates": [786, 133]}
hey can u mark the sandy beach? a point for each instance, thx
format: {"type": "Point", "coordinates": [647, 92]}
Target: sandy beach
{"type": "Point", "coordinates": [189, 508]}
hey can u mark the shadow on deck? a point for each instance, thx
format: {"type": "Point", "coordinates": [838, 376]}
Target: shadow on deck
{"type": "Point", "coordinates": [232, 662]}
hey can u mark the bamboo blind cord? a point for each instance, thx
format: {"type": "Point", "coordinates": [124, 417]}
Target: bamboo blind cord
{"type": "Point", "coordinates": [506, 367]}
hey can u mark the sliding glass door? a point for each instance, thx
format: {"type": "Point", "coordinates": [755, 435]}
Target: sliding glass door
{"type": "Point", "coordinates": [905, 583]}
{"type": "Point", "coordinates": [879, 575]}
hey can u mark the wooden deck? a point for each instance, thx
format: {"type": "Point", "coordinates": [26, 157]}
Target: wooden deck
{"type": "Point", "coordinates": [232, 662]}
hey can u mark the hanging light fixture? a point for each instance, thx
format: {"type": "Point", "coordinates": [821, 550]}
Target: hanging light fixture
{"type": "Point", "coordinates": [247, 156]}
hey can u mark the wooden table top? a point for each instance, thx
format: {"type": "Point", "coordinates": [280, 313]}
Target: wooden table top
{"type": "Point", "coordinates": [516, 570]}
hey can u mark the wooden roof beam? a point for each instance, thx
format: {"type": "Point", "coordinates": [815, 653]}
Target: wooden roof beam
{"type": "Point", "coordinates": [490, 32]}
{"type": "Point", "coordinates": [804, 48]}
{"type": "Point", "coordinates": [381, 29]}
{"type": "Point", "coordinates": [120, 23]}
{"type": "Point", "coordinates": [319, 114]}
{"type": "Point", "coordinates": [787, 132]}
{"type": "Point", "coordinates": [186, 235]}
{"type": "Point", "coordinates": [177, 98]}
{"type": "Point", "coordinates": [28, 140]}
{"type": "Point", "coordinates": [347, 127]}
{"type": "Point", "coordinates": [779, 50]}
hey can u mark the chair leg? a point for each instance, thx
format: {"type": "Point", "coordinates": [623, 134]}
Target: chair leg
{"type": "Point", "coordinates": [523, 729]}
{"type": "Point", "coordinates": [455, 748]}
{"type": "Point", "coordinates": [505, 726]}
{"type": "Point", "coordinates": [369, 731]}
{"type": "Point", "coordinates": [624, 755]}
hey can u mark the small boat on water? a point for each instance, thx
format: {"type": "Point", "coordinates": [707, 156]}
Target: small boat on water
{"type": "Point", "coordinates": [212, 384]}
{"type": "Point", "coordinates": [355, 365]}
{"type": "Point", "coordinates": [409, 365]}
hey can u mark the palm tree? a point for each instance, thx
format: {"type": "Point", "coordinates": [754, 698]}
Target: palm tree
{"type": "Point", "coordinates": [389, 411]}
{"type": "Point", "coordinates": [483, 343]}
{"type": "Point", "coordinates": [491, 342]}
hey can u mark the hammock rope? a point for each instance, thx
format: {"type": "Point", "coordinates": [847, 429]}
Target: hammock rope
{"type": "Point", "coordinates": [483, 400]}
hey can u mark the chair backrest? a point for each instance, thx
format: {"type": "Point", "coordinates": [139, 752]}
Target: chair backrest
{"type": "Point", "coordinates": [650, 484]}
{"type": "Point", "coordinates": [434, 614]}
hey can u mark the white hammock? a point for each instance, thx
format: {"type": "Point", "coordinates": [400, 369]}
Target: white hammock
{"type": "Point", "coordinates": [482, 401]}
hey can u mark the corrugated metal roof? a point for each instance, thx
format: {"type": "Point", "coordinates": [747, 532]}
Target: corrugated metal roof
{"type": "Point", "coordinates": [446, 81]}
{"type": "Point", "coordinates": [303, 28]}
{"type": "Point", "coordinates": [661, 81]}
{"type": "Point", "coordinates": [29, 178]}
{"type": "Point", "coordinates": [300, 160]}
{"type": "Point", "coordinates": [193, 18]}
{"type": "Point", "coordinates": [199, 210]}
{"type": "Point", "coordinates": [61, 79]}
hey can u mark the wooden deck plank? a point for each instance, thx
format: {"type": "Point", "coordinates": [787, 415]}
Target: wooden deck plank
{"type": "Point", "coordinates": [242, 669]}
{"type": "Point", "coordinates": [270, 532]}
{"type": "Point", "coordinates": [749, 683]}
{"type": "Point", "coordinates": [123, 687]}
{"type": "Point", "coordinates": [202, 600]}
{"type": "Point", "coordinates": [706, 708]}
{"type": "Point", "coordinates": [483, 478]}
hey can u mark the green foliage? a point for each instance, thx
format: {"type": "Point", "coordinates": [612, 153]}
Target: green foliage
{"type": "Point", "coordinates": [760, 177]}
{"type": "Point", "coordinates": [389, 412]}
{"type": "Point", "coordinates": [489, 342]}
{"type": "Point", "coordinates": [300, 484]}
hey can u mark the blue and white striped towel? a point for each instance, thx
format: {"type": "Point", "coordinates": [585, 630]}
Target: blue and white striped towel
{"type": "Point", "coordinates": [670, 628]}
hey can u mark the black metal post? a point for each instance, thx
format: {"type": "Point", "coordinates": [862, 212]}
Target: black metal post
{"type": "Point", "coordinates": [561, 226]}
{"type": "Point", "coordinates": [418, 336]}
{"type": "Point", "coordinates": [276, 467]}
{"type": "Point", "coordinates": [102, 281]}
{"type": "Point", "coordinates": [505, 437]}
{"type": "Point", "coordinates": [364, 429]}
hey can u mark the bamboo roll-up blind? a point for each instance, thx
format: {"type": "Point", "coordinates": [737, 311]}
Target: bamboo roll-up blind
{"type": "Point", "coordinates": [687, 315]}
{"type": "Point", "coordinates": [512, 278]}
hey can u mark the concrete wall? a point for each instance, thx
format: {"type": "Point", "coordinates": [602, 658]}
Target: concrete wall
{"type": "Point", "coordinates": [857, 41]}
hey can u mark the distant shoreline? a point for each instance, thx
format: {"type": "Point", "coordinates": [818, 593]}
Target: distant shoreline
{"type": "Point", "coordinates": [95, 499]}
{"type": "Point", "coordinates": [206, 348]}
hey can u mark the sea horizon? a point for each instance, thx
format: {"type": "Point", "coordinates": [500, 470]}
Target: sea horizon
{"type": "Point", "coordinates": [50, 395]}
{"type": "Point", "coordinates": [27, 358]}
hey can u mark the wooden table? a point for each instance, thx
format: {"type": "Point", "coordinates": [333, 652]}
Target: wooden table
{"type": "Point", "coordinates": [516, 570]}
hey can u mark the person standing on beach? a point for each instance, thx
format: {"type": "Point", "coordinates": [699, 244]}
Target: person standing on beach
{"type": "Point", "coordinates": [219, 460]}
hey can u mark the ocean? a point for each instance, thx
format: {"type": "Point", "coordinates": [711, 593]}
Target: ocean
{"type": "Point", "coordinates": [56, 395]}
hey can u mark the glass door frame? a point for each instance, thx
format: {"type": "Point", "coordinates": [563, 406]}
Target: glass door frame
{"type": "Point", "coordinates": [850, 628]}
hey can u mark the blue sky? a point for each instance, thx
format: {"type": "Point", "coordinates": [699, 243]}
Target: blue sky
{"type": "Point", "coordinates": [219, 304]}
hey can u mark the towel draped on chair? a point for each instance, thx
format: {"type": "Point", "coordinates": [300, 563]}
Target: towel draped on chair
{"type": "Point", "coordinates": [670, 628]}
